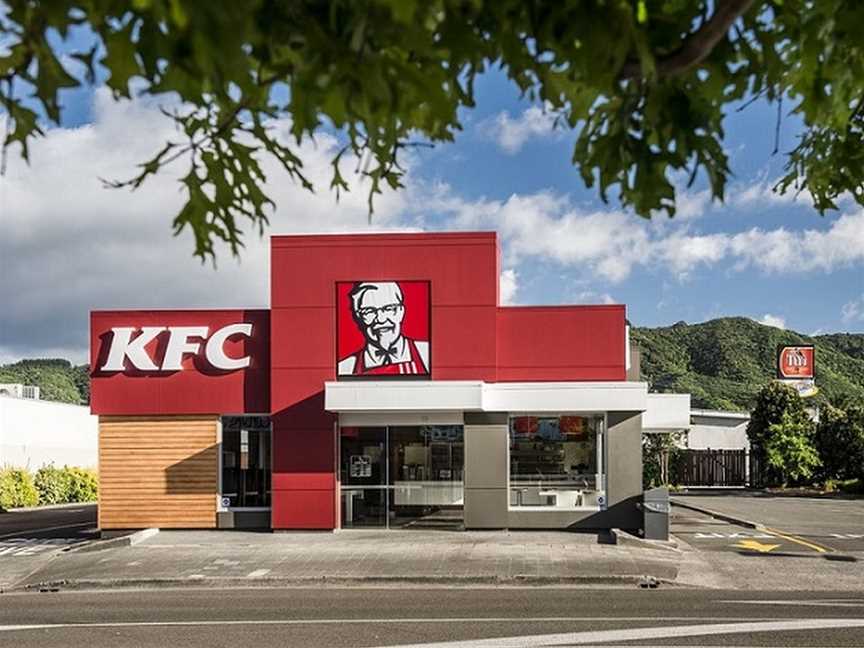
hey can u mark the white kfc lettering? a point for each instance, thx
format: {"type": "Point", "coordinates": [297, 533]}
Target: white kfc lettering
{"type": "Point", "coordinates": [215, 350]}
{"type": "Point", "coordinates": [122, 348]}
{"type": "Point", "coordinates": [179, 345]}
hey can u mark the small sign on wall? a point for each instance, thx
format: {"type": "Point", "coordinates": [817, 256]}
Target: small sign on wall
{"type": "Point", "coordinates": [360, 466]}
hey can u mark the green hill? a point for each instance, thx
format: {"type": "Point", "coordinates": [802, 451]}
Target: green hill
{"type": "Point", "coordinates": [58, 380]}
{"type": "Point", "coordinates": [724, 362]}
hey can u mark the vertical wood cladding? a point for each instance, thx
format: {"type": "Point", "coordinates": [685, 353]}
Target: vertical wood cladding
{"type": "Point", "coordinates": [158, 472]}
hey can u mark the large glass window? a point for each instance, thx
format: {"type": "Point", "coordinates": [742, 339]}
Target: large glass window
{"type": "Point", "coordinates": [245, 461]}
{"type": "Point", "coordinates": [405, 476]}
{"type": "Point", "coordinates": [557, 462]}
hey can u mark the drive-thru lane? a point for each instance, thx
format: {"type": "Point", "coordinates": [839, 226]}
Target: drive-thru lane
{"type": "Point", "coordinates": [445, 617]}
{"type": "Point", "coordinates": [834, 522]}
{"type": "Point", "coordinates": [30, 538]}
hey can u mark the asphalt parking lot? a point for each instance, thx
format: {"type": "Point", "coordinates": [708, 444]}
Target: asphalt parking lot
{"type": "Point", "coordinates": [797, 524]}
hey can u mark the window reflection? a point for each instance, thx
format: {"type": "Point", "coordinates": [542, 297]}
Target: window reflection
{"type": "Point", "coordinates": [556, 462]}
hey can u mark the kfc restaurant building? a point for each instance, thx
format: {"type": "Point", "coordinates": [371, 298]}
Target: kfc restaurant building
{"type": "Point", "coordinates": [385, 387]}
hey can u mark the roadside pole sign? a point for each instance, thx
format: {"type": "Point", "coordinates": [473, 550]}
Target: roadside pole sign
{"type": "Point", "coordinates": [796, 367]}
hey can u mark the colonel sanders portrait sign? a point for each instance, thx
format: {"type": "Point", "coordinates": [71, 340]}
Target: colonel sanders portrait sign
{"type": "Point", "coordinates": [383, 328]}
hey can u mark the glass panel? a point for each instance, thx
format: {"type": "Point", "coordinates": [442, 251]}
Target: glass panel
{"type": "Point", "coordinates": [246, 461]}
{"type": "Point", "coordinates": [556, 461]}
{"type": "Point", "coordinates": [364, 507]}
{"type": "Point", "coordinates": [363, 475]}
{"type": "Point", "coordinates": [426, 466]}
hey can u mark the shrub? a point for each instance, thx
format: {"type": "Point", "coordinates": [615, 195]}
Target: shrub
{"type": "Point", "coordinates": [840, 441]}
{"type": "Point", "coordinates": [789, 449]}
{"type": "Point", "coordinates": [17, 488]}
{"type": "Point", "coordinates": [53, 484]}
{"type": "Point", "coordinates": [83, 484]}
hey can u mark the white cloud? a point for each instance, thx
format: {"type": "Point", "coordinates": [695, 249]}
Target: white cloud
{"type": "Point", "coordinates": [591, 297]}
{"type": "Point", "coordinates": [511, 133]}
{"type": "Point", "coordinates": [69, 245]}
{"type": "Point", "coordinates": [772, 320]}
{"type": "Point", "coordinates": [853, 311]}
{"type": "Point", "coordinates": [610, 244]}
{"type": "Point", "coordinates": [508, 286]}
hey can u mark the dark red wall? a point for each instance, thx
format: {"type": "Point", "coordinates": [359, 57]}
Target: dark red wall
{"type": "Point", "coordinates": [198, 388]}
{"type": "Point", "coordinates": [537, 343]}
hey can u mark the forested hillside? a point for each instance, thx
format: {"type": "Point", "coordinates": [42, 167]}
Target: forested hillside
{"type": "Point", "coordinates": [57, 379]}
{"type": "Point", "coordinates": [724, 362]}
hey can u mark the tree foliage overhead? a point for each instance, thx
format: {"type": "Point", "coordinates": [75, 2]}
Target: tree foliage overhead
{"type": "Point", "coordinates": [644, 85]}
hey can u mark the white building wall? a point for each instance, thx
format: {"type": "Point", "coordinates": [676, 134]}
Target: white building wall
{"type": "Point", "coordinates": [36, 432]}
{"type": "Point", "coordinates": [718, 437]}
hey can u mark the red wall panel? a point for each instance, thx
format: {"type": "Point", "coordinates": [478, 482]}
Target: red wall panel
{"type": "Point", "coordinates": [197, 388]}
{"type": "Point", "coordinates": [561, 343]}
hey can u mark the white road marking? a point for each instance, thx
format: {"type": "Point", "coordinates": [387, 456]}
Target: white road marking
{"type": "Point", "coordinates": [32, 546]}
{"type": "Point", "coordinates": [732, 536]}
{"type": "Point", "coordinates": [819, 603]}
{"type": "Point", "coordinates": [847, 536]}
{"type": "Point", "coordinates": [562, 639]}
{"type": "Point", "coordinates": [635, 634]}
{"type": "Point", "coordinates": [258, 573]}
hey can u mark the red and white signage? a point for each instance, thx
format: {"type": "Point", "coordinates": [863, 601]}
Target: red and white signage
{"type": "Point", "coordinates": [383, 328]}
{"type": "Point", "coordinates": [131, 344]}
{"type": "Point", "coordinates": [796, 362]}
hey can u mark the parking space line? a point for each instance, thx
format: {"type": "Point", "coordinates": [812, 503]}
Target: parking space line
{"type": "Point", "coordinates": [805, 543]}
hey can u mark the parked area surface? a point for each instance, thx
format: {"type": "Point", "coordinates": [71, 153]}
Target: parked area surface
{"type": "Point", "coordinates": [734, 556]}
{"type": "Point", "coordinates": [337, 617]}
{"type": "Point", "coordinates": [30, 539]}
{"type": "Point", "coordinates": [834, 522]}
{"type": "Point", "coordinates": [246, 557]}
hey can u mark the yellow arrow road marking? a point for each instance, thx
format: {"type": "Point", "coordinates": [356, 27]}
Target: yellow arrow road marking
{"type": "Point", "coordinates": [755, 545]}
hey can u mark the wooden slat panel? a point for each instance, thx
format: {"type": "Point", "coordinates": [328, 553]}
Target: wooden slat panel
{"type": "Point", "coordinates": [158, 472]}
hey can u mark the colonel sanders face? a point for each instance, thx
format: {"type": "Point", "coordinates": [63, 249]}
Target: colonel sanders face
{"type": "Point", "coordinates": [379, 310]}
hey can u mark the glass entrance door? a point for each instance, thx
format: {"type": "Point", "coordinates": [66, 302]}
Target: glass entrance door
{"type": "Point", "coordinates": [363, 473]}
{"type": "Point", "coordinates": [403, 476]}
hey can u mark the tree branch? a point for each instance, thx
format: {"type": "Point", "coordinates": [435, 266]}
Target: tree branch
{"type": "Point", "coordinates": [697, 46]}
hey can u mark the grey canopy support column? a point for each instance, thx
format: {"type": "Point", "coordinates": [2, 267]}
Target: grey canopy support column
{"type": "Point", "coordinates": [486, 470]}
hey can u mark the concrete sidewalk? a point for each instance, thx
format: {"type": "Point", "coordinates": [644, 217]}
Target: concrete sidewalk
{"type": "Point", "coordinates": [178, 558]}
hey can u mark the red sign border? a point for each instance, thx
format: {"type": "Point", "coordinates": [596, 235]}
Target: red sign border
{"type": "Point", "coordinates": [411, 377]}
{"type": "Point", "coordinates": [781, 347]}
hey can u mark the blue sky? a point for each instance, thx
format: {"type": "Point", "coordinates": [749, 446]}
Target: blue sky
{"type": "Point", "coordinates": [73, 246]}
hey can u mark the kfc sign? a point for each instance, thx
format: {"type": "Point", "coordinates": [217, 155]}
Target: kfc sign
{"type": "Point", "coordinates": [383, 328]}
{"type": "Point", "coordinates": [131, 343]}
{"type": "Point", "coordinates": [795, 362]}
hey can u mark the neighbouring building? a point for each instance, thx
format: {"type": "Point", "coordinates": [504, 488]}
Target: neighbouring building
{"type": "Point", "coordinates": [386, 386]}
{"type": "Point", "coordinates": [34, 432]}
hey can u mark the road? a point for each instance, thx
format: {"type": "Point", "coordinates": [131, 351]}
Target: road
{"type": "Point", "coordinates": [30, 539]}
{"type": "Point", "coordinates": [430, 617]}
{"type": "Point", "coordinates": [74, 522]}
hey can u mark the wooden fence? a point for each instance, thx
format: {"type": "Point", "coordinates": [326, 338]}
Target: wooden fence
{"type": "Point", "coordinates": [710, 468]}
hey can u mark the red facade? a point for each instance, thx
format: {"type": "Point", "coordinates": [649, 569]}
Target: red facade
{"type": "Point", "coordinates": [472, 338]}
{"type": "Point", "coordinates": [198, 388]}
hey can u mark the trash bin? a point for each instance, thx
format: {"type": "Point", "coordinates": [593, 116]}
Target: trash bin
{"type": "Point", "coordinates": [655, 508]}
